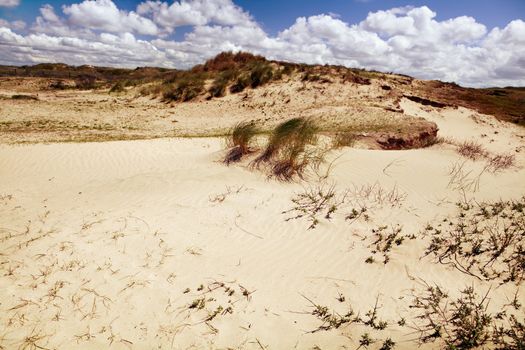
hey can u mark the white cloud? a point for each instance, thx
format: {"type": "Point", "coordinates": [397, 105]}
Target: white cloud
{"type": "Point", "coordinates": [195, 13]}
{"type": "Point", "coordinates": [104, 15]}
{"type": "Point", "coordinates": [405, 40]}
{"type": "Point", "coordinates": [9, 3]}
{"type": "Point", "coordinates": [16, 25]}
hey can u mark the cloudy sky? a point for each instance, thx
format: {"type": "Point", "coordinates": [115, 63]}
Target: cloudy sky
{"type": "Point", "coordinates": [474, 43]}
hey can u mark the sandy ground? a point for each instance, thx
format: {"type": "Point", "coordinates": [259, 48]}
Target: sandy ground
{"type": "Point", "coordinates": [73, 115]}
{"type": "Point", "coordinates": [136, 244]}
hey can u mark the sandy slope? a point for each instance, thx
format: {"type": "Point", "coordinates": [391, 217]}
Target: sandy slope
{"type": "Point", "coordinates": [100, 242]}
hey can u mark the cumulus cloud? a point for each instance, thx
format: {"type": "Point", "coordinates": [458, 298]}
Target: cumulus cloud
{"type": "Point", "coordinates": [195, 13]}
{"type": "Point", "coordinates": [104, 15]}
{"type": "Point", "coordinates": [406, 40]}
{"type": "Point", "coordinates": [17, 25]}
{"type": "Point", "coordinates": [9, 3]}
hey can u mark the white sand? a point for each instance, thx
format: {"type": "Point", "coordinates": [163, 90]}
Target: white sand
{"type": "Point", "coordinates": [122, 229]}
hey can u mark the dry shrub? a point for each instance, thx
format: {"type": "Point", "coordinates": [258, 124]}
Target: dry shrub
{"type": "Point", "coordinates": [465, 323]}
{"type": "Point", "coordinates": [500, 162]}
{"type": "Point", "coordinates": [218, 87]}
{"type": "Point", "coordinates": [461, 324]}
{"type": "Point", "coordinates": [472, 150]}
{"type": "Point", "coordinates": [240, 84]}
{"type": "Point", "coordinates": [261, 73]}
{"type": "Point", "coordinates": [485, 240]}
{"type": "Point", "coordinates": [239, 141]}
{"type": "Point", "coordinates": [185, 89]}
{"type": "Point", "coordinates": [86, 82]}
{"type": "Point", "coordinates": [230, 61]}
{"type": "Point", "coordinates": [119, 86]}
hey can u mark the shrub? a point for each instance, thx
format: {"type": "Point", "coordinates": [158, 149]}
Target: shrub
{"type": "Point", "coordinates": [315, 202]}
{"type": "Point", "coordinates": [260, 74]}
{"type": "Point", "coordinates": [230, 61]}
{"type": "Point", "coordinates": [85, 82]}
{"type": "Point", "coordinates": [472, 150]}
{"type": "Point", "coordinates": [185, 89]}
{"type": "Point", "coordinates": [117, 87]}
{"type": "Point", "coordinates": [463, 323]}
{"type": "Point", "coordinates": [218, 86]}
{"type": "Point", "coordinates": [239, 141]}
{"type": "Point", "coordinates": [485, 240]}
{"type": "Point", "coordinates": [240, 84]}
{"type": "Point", "coordinates": [58, 85]}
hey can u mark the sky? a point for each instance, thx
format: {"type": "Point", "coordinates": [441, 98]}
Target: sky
{"type": "Point", "coordinates": [473, 43]}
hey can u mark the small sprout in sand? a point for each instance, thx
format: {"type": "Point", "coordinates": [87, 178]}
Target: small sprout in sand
{"type": "Point", "coordinates": [239, 141]}
{"type": "Point", "coordinates": [198, 304]}
{"type": "Point", "coordinates": [388, 344]}
{"type": "Point", "coordinates": [365, 341]}
{"type": "Point", "coordinates": [385, 241]}
{"type": "Point", "coordinates": [370, 260]}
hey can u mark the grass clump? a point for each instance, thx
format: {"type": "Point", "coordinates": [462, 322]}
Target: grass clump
{"type": "Point", "coordinates": [260, 74]}
{"type": "Point", "coordinates": [183, 90]}
{"type": "Point", "coordinates": [240, 84]}
{"type": "Point", "coordinates": [343, 139]}
{"type": "Point", "coordinates": [239, 141]}
{"type": "Point", "coordinates": [472, 150]}
{"type": "Point", "coordinates": [485, 240]}
{"type": "Point", "coordinates": [218, 87]}
{"type": "Point", "coordinates": [286, 148]}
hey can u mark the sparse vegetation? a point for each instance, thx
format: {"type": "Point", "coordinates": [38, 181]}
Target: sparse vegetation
{"type": "Point", "coordinates": [485, 240]}
{"type": "Point", "coordinates": [385, 240]}
{"type": "Point", "coordinates": [184, 89]}
{"type": "Point", "coordinates": [320, 200]}
{"type": "Point", "coordinates": [464, 322]}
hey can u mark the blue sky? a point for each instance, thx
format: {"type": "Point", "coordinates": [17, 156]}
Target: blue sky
{"type": "Point", "coordinates": [471, 42]}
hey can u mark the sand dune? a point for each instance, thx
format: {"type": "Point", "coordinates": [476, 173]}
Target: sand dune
{"type": "Point", "coordinates": [157, 244]}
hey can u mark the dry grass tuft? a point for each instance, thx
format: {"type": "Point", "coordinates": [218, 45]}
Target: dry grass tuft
{"type": "Point", "coordinates": [239, 141]}
{"type": "Point", "coordinates": [472, 150]}
{"type": "Point", "coordinates": [286, 149]}
{"type": "Point", "coordinates": [343, 139]}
